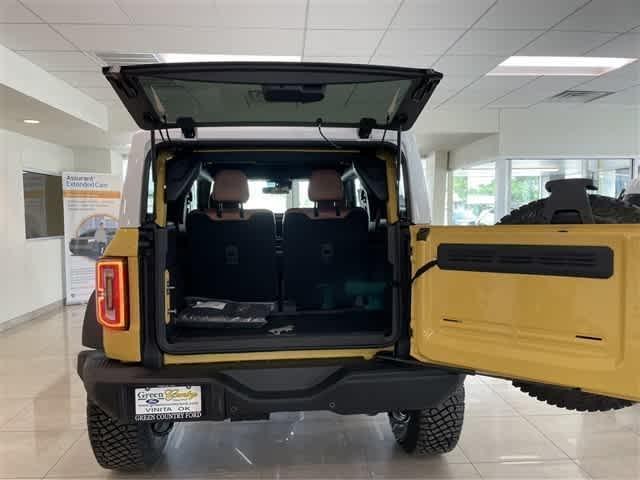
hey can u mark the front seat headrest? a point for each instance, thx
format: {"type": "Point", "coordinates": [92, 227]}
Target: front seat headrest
{"type": "Point", "coordinates": [230, 186]}
{"type": "Point", "coordinates": [325, 186]}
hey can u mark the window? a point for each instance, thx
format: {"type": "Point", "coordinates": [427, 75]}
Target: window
{"type": "Point", "coordinates": [43, 215]}
{"type": "Point", "coordinates": [302, 194]}
{"type": "Point", "coordinates": [151, 190]}
{"type": "Point", "coordinates": [482, 194]}
{"type": "Point", "coordinates": [528, 177]}
{"type": "Point", "coordinates": [258, 199]}
{"type": "Point", "coordinates": [473, 195]}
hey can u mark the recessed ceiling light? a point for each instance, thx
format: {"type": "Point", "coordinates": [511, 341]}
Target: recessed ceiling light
{"type": "Point", "coordinates": [31, 121]}
{"type": "Point", "coordinates": [197, 57]}
{"type": "Point", "coordinates": [553, 66]}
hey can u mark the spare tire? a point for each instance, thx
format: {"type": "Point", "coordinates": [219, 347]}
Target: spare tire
{"type": "Point", "coordinates": [605, 210]}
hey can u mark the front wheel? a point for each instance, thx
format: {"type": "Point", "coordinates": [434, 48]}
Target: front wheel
{"type": "Point", "coordinates": [124, 446]}
{"type": "Point", "coordinates": [434, 430]}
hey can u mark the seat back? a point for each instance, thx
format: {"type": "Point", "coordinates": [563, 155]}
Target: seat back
{"type": "Point", "coordinates": [325, 248]}
{"type": "Point", "coordinates": [231, 251]}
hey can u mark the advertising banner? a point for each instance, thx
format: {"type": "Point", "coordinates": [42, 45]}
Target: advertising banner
{"type": "Point", "coordinates": [91, 205]}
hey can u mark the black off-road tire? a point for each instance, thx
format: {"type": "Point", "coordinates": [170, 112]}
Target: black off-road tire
{"type": "Point", "coordinates": [124, 446]}
{"type": "Point", "coordinates": [571, 399]}
{"type": "Point", "coordinates": [435, 430]}
{"type": "Point", "coordinates": [605, 210]}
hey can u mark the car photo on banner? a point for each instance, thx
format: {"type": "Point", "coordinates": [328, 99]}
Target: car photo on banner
{"type": "Point", "coordinates": [93, 236]}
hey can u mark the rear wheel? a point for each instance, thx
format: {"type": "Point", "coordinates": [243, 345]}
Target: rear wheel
{"type": "Point", "coordinates": [433, 430]}
{"type": "Point", "coordinates": [605, 210]}
{"type": "Point", "coordinates": [124, 446]}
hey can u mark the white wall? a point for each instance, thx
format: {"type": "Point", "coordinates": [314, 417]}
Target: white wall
{"type": "Point", "coordinates": [484, 150]}
{"type": "Point", "coordinates": [586, 130]}
{"type": "Point", "coordinates": [95, 160]}
{"type": "Point", "coordinates": [556, 131]}
{"type": "Point", "coordinates": [32, 270]}
{"type": "Point", "coordinates": [20, 74]}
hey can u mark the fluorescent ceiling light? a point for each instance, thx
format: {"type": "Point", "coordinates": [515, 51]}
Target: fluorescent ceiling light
{"type": "Point", "coordinates": [570, 66]}
{"type": "Point", "coordinates": [198, 57]}
{"type": "Point", "coordinates": [31, 121]}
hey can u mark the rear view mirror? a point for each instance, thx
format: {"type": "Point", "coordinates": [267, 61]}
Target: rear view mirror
{"type": "Point", "coordinates": [278, 187]}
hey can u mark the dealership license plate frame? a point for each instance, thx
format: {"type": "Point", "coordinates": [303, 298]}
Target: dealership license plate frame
{"type": "Point", "coordinates": [183, 403]}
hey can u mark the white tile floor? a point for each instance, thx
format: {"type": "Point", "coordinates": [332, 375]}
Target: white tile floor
{"type": "Point", "coordinates": [506, 433]}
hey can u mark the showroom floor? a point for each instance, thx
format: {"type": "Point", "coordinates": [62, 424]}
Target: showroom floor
{"type": "Point", "coordinates": [506, 434]}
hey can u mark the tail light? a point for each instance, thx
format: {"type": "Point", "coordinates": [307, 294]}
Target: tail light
{"type": "Point", "coordinates": [111, 293]}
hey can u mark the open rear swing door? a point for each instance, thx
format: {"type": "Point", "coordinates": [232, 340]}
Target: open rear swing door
{"type": "Point", "coordinates": [548, 304]}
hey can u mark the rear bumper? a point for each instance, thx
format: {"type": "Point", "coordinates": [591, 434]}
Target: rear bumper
{"type": "Point", "coordinates": [256, 389]}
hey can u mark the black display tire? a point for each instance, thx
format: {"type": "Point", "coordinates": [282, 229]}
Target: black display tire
{"type": "Point", "coordinates": [605, 210]}
{"type": "Point", "coordinates": [124, 446]}
{"type": "Point", "coordinates": [571, 399]}
{"type": "Point", "coordinates": [431, 431]}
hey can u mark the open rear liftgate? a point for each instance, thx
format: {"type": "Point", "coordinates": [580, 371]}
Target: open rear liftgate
{"type": "Point", "coordinates": [556, 303]}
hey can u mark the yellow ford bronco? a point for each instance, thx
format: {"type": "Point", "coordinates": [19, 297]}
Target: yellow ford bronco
{"type": "Point", "coordinates": [275, 253]}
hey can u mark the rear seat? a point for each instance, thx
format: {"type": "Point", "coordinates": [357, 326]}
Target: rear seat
{"type": "Point", "coordinates": [325, 248]}
{"type": "Point", "coordinates": [231, 251]}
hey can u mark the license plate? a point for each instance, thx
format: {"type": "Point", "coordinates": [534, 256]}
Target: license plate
{"type": "Point", "coordinates": [171, 402]}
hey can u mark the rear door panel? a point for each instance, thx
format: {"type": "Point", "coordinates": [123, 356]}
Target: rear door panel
{"type": "Point", "coordinates": [577, 326]}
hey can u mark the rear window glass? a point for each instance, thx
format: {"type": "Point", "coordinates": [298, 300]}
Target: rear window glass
{"type": "Point", "coordinates": [297, 197]}
{"type": "Point", "coordinates": [243, 103]}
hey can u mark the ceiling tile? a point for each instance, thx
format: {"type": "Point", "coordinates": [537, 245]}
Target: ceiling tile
{"type": "Point", "coordinates": [440, 96]}
{"type": "Point", "coordinates": [78, 11]}
{"type": "Point", "coordinates": [418, 42]}
{"type": "Point", "coordinates": [488, 89]}
{"type": "Point", "coordinates": [348, 14]}
{"type": "Point", "coordinates": [566, 43]}
{"type": "Point", "coordinates": [13, 12]}
{"type": "Point", "coordinates": [62, 61]}
{"type": "Point", "coordinates": [442, 14]}
{"type": "Point", "coordinates": [359, 60]}
{"type": "Point", "coordinates": [156, 39]}
{"type": "Point", "coordinates": [620, 79]}
{"type": "Point", "coordinates": [625, 46]}
{"type": "Point", "coordinates": [537, 91]}
{"type": "Point", "coordinates": [32, 36]}
{"type": "Point", "coordinates": [455, 83]}
{"type": "Point", "coordinates": [493, 42]}
{"type": "Point", "coordinates": [258, 13]}
{"type": "Point", "coordinates": [170, 12]}
{"type": "Point", "coordinates": [101, 93]}
{"type": "Point", "coordinates": [528, 15]}
{"type": "Point", "coordinates": [468, 65]}
{"type": "Point", "coordinates": [348, 42]}
{"type": "Point", "coordinates": [83, 79]}
{"type": "Point", "coordinates": [629, 97]}
{"type": "Point", "coordinates": [259, 41]}
{"type": "Point", "coordinates": [604, 16]}
{"type": "Point", "coordinates": [414, 61]}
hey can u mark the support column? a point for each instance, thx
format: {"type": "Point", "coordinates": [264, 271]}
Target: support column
{"type": "Point", "coordinates": [435, 169]}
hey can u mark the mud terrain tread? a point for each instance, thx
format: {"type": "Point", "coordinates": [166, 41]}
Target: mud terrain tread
{"type": "Point", "coordinates": [605, 210]}
{"type": "Point", "coordinates": [435, 430]}
{"type": "Point", "coordinates": [121, 446]}
{"type": "Point", "coordinates": [572, 399]}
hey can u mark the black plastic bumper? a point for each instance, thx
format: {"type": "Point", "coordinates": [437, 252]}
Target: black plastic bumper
{"type": "Point", "coordinates": [255, 389]}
